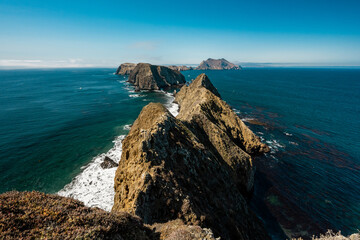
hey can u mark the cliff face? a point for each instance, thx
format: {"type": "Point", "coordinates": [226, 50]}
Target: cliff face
{"type": "Point", "coordinates": [193, 168]}
{"type": "Point", "coordinates": [151, 77]}
{"type": "Point", "coordinates": [125, 68]}
{"type": "Point", "coordinates": [217, 64]}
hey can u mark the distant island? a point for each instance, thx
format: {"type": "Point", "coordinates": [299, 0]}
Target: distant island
{"type": "Point", "coordinates": [146, 76]}
{"type": "Point", "coordinates": [209, 64]}
{"type": "Point", "coordinates": [217, 64]}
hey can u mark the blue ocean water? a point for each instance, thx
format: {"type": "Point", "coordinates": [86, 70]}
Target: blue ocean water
{"type": "Point", "coordinates": [53, 122]}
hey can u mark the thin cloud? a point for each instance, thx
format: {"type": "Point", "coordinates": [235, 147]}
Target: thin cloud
{"type": "Point", "coordinates": [31, 63]}
{"type": "Point", "coordinates": [145, 45]}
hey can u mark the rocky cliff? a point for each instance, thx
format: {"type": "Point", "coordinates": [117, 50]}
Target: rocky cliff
{"type": "Point", "coordinates": [151, 77]}
{"type": "Point", "coordinates": [194, 168]}
{"type": "Point", "coordinates": [217, 64]}
{"type": "Point", "coordinates": [125, 68]}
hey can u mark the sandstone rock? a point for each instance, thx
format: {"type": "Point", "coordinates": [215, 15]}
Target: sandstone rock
{"type": "Point", "coordinates": [125, 68]}
{"type": "Point", "coordinates": [169, 170]}
{"type": "Point", "coordinates": [217, 64]}
{"type": "Point", "coordinates": [180, 68]}
{"type": "Point", "coordinates": [108, 163]}
{"type": "Point", "coordinates": [34, 215]}
{"type": "Point", "coordinates": [151, 77]}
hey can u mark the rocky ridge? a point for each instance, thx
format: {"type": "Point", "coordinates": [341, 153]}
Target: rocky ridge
{"type": "Point", "coordinates": [217, 64]}
{"type": "Point", "coordinates": [195, 168]}
{"type": "Point", "coordinates": [152, 77]}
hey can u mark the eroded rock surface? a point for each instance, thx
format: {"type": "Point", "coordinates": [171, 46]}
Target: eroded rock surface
{"type": "Point", "coordinates": [151, 77]}
{"type": "Point", "coordinates": [125, 68]}
{"type": "Point", "coordinates": [194, 168]}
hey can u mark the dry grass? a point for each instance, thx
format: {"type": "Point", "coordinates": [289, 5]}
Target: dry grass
{"type": "Point", "coordinates": [35, 215]}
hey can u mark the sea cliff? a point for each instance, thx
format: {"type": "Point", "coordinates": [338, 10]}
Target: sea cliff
{"type": "Point", "coordinates": [152, 77]}
{"type": "Point", "coordinates": [195, 168]}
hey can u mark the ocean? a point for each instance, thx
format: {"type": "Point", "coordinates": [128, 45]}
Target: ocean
{"type": "Point", "coordinates": [57, 125]}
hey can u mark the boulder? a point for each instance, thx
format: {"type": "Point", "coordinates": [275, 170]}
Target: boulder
{"type": "Point", "coordinates": [108, 163]}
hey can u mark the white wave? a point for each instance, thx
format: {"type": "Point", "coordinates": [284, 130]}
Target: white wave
{"type": "Point", "coordinates": [247, 119]}
{"type": "Point", "coordinates": [94, 185]}
{"type": "Point", "coordinates": [127, 127]}
{"type": "Point", "coordinates": [287, 134]}
{"type": "Point", "coordinates": [274, 145]}
{"type": "Point", "coordinates": [236, 111]}
{"type": "Point", "coordinates": [171, 105]}
{"type": "Point", "coordinates": [135, 95]}
{"type": "Point", "coordinates": [293, 143]}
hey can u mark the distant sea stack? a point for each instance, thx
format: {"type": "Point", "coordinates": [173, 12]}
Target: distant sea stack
{"type": "Point", "coordinates": [194, 169]}
{"type": "Point", "coordinates": [152, 77]}
{"type": "Point", "coordinates": [217, 64]}
{"type": "Point", "coordinates": [125, 68]}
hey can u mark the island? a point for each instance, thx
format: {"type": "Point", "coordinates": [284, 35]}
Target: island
{"type": "Point", "coordinates": [217, 64]}
{"type": "Point", "coordinates": [180, 68]}
{"type": "Point", "coordinates": [195, 169]}
{"type": "Point", "coordinates": [152, 77]}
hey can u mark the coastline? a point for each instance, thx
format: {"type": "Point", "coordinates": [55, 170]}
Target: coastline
{"type": "Point", "coordinates": [94, 186]}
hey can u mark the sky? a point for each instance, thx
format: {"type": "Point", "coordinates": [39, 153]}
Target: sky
{"type": "Point", "coordinates": [105, 33]}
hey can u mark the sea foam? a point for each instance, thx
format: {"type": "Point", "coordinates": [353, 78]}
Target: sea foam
{"type": "Point", "coordinates": [94, 186]}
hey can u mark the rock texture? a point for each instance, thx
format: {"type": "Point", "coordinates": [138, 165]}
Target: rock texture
{"type": "Point", "coordinates": [194, 168]}
{"type": "Point", "coordinates": [151, 77]}
{"type": "Point", "coordinates": [108, 163]}
{"type": "Point", "coordinates": [34, 215]}
{"type": "Point", "coordinates": [177, 230]}
{"type": "Point", "coordinates": [217, 64]}
{"type": "Point", "coordinates": [125, 68]}
{"type": "Point", "coordinates": [180, 68]}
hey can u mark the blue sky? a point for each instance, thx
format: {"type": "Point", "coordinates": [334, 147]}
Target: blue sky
{"type": "Point", "coordinates": [91, 33]}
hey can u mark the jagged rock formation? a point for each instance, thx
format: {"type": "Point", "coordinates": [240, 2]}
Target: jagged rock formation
{"type": "Point", "coordinates": [35, 215]}
{"type": "Point", "coordinates": [194, 168]}
{"type": "Point", "coordinates": [180, 68]}
{"type": "Point", "coordinates": [125, 68]}
{"type": "Point", "coordinates": [217, 64]}
{"type": "Point", "coordinates": [151, 77]}
{"type": "Point", "coordinates": [108, 163]}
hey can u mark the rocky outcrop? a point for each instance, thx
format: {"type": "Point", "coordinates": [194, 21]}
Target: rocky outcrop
{"type": "Point", "coordinates": [217, 64]}
{"type": "Point", "coordinates": [125, 68]}
{"type": "Point", "coordinates": [35, 215]}
{"type": "Point", "coordinates": [180, 68]}
{"type": "Point", "coordinates": [108, 163]}
{"type": "Point", "coordinates": [194, 168]}
{"type": "Point", "coordinates": [151, 77]}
